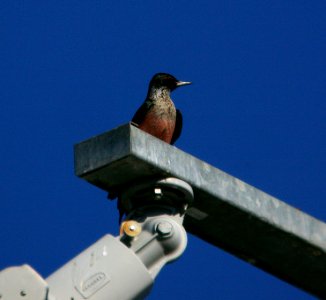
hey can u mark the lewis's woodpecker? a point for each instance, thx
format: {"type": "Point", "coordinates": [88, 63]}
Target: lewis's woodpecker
{"type": "Point", "coordinates": [158, 115]}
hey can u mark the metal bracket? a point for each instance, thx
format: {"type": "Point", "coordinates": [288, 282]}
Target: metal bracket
{"type": "Point", "coordinates": [153, 229]}
{"type": "Point", "coordinates": [125, 267]}
{"type": "Point", "coordinates": [172, 193]}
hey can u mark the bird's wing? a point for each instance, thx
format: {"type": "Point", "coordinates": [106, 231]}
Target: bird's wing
{"type": "Point", "coordinates": [140, 114]}
{"type": "Point", "coordinates": [178, 127]}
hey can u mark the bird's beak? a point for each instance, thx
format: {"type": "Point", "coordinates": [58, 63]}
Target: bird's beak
{"type": "Point", "coordinates": [181, 83]}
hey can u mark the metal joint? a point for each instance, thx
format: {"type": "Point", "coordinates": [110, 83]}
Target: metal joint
{"type": "Point", "coordinates": [169, 192]}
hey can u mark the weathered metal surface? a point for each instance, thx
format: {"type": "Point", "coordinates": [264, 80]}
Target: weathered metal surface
{"type": "Point", "coordinates": [226, 212]}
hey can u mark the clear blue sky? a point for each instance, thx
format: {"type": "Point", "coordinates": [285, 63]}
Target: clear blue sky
{"type": "Point", "coordinates": [70, 70]}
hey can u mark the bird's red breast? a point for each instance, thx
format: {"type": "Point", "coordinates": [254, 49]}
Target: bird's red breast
{"type": "Point", "coordinates": [160, 127]}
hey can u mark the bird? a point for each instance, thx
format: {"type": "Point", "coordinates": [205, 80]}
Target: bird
{"type": "Point", "coordinates": [158, 115]}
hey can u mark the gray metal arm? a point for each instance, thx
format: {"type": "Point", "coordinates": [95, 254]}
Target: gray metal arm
{"type": "Point", "coordinates": [125, 267]}
{"type": "Point", "coordinates": [117, 268]}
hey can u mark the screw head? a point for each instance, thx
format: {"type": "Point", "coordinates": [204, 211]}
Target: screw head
{"type": "Point", "coordinates": [130, 228]}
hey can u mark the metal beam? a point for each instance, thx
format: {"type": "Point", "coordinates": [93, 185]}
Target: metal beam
{"type": "Point", "coordinates": [227, 212]}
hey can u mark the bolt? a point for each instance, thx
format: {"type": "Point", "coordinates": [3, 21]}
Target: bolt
{"type": "Point", "coordinates": [130, 228]}
{"type": "Point", "coordinates": [164, 229]}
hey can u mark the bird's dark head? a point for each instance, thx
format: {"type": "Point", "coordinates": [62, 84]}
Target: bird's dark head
{"type": "Point", "coordinates": [164, 80]}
